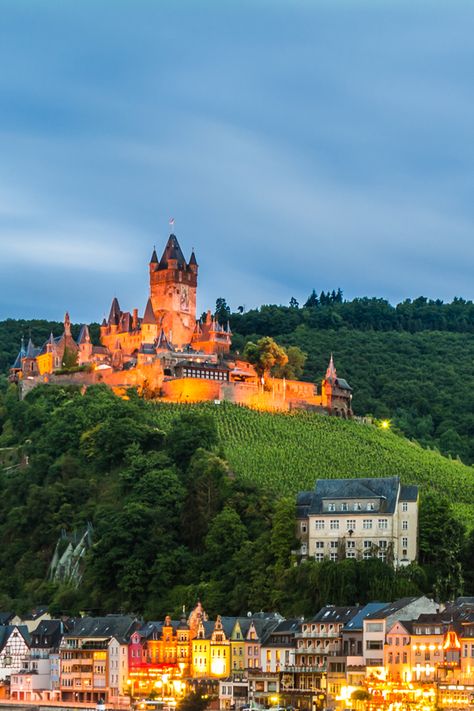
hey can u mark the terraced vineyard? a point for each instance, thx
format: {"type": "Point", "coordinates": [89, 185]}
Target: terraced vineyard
{"type": "Point", "coordinates": [288, 452]}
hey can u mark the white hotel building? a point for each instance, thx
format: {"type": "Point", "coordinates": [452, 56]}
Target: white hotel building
{"type": "Point", "coordinates": [359, 518]}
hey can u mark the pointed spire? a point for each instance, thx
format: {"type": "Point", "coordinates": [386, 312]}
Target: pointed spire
{"type": "Point", "coordinates": [50, 343]}
{"type": "Point", "coordinates": [192, 260]}
{"type": "Point", "coordinates": [154, 257]}
{"type": "Point", "coordinates": [84, 336]}
{"type": "Point", "coordinates": [30, 349]}
{"type": "Point", "coordinates": [149, 315]}
{"type": "Point", "coordinates": [114, 315]}
{"type": "Point", "coordinates": [331, 374]}
{"type": "Point", "coordinates": [67, 324]}
{"type": "Point", "coordinates": [228, 329]}
{"type": "Point", "coordinates": [172, 251]}
{"type": "Point", "coordinates": [162, 343]}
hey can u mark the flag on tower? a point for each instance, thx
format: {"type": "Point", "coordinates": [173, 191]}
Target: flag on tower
{"type": "Point", "coordinates": [171, 221]}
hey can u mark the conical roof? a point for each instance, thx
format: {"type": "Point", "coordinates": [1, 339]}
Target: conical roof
{"type": "Point", "coordinates": [149, 315]}
{"type": "Point", "coordinates": [21, 354]}
{"type": "Point", "coordinates": [192, 259]}
{"type": "Point", "coordinates": [154, 257]}
{"type": "Point", "coordinates": [84, 335]}
{"type": "Point", "coordinates": [114, 315]}
{"type": "Point", "coordinates": [162, 343]}
{"type": "Point", "coordinates": [172, 251]}
{"type": "Point", "coordinates": [30, 349]}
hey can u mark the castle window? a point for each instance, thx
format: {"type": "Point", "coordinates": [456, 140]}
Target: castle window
{"type": "Point", "coordinates": [334, 525]}
{"type": "Point", "coordinates": [404, 542]}
{"type": "Point", "coordinates": [404, 525]}
{"type": "Point", "coordinates": [383, 523]}
{"type": "Point", "coordinates": [333, 556]}
{"type": "Point", "coordinates": [319, 525]}
{"type": "Point", "coordinates": [344, 507]}
{"type": "Point", "coordinates": [319, 544]}
{"type": "Point", "coordinates": [319, 557]}
{"type": "Point", "coordinates": [404, 506]}
{"type": "Point", "coordinates": [367, 523]}
{"type": "Point", "coordinates": [331, 507]}
{"type": "Point", "coordinates": [350, 554]}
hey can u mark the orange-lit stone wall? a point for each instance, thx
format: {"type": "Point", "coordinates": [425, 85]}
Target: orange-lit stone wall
{"type": "Point", "coordinates": [129, 341]}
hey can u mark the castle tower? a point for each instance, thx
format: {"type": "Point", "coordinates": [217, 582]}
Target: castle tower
{"type": "Point", "coordinates": [149, 324]}
{"type": "Point", "coordinates": [85, 345]}
{"type": "Point", "coordinates": [173, 284]}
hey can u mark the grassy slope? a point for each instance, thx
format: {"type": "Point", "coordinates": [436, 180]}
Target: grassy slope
{"type": "Point", "coordinates": [288, 452]}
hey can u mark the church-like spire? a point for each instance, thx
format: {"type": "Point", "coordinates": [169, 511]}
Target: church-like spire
{"type": "Point", "coordinates": [331, 374]}
{"type": "Point", "coordinates": [67, 324]}
{"type": "Point", "coordinates": [154, 257]}
{"type": "Point", "coordinates": [114, 315]}
{"type": "Point", "coordinates": [84, 336]}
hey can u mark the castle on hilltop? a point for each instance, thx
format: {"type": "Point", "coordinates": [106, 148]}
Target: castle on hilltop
{"type": "Point", "coordinates": [169, 353]}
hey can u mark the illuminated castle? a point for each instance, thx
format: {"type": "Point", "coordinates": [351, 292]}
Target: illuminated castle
{"type": "Point", "coordinates": [169, 353]}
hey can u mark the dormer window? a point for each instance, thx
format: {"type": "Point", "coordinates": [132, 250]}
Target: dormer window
{"type": "Point", "coordinates": [370, 506]}
{"type": "Point", "coordinates": [331, 507]}
{"type": "Point", "coordinates": [344, 507]}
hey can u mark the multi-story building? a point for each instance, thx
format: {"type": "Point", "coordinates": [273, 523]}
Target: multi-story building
{"type": "Point", "coordinates": [379, 622]}
{"type": "Point", "coordinates": [359, 518]}
{"type": "Point", "coordinates": [14, 648]}
{"type": "Point", "coordinates": [85, 655]}
{"type": "Point", "coordinates": [38, 679]}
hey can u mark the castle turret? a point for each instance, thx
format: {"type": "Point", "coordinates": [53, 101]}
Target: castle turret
{"type": "Point", "coordinates": [85, 345]}
{"type": "Point", "coordinates": [336, 393]}
{"type": "Point", "coordinates": [67, 324]}
{"type": "Point", "coordinates": [149, 324]}
{"type": "Point", "coordinates": [173, 285]}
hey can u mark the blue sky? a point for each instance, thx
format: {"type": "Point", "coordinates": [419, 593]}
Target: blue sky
{"type": "Point", "coordinates": [297, 144]}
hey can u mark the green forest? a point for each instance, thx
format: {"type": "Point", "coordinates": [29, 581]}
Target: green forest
{"type": "Point", "coordinates": [177, 515]}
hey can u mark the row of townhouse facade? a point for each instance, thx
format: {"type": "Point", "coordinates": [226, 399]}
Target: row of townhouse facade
{"type": "Point", "coordinates": [406, 651]}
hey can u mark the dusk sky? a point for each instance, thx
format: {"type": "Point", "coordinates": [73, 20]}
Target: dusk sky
{"type": "Point", "coordinates": [297, 144]}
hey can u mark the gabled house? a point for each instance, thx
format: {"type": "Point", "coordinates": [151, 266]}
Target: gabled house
{"type": "Point", "coordinates": [15, 643]}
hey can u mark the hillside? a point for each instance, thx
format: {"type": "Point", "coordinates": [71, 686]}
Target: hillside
{"type": "Point", "coordinates": [286, 453]}
{"type": "Point", "coordinates": [172, 520]}
{"type": "Point", "coordinates": [412, 363]}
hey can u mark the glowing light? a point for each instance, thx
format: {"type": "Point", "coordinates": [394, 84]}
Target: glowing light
{"type": "Point", "coordinates": [385, 424]}
{"type": "Point", "coordinates": [218, 667]}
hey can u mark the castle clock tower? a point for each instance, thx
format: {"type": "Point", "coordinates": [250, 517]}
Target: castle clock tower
{"type": "Point", "coordinates": [173, 284]}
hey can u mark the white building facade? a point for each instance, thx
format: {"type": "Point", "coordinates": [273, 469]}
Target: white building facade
{"type": "Point", "coordinates": [359, 518]}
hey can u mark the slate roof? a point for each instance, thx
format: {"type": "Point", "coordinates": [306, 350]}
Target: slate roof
{"type": "Point", "coordinates": [384, 489]}
{"type": "Point", "coordinates": [333, 613]}
{"type": "Point", "coordinates": [5, 617]}
{"type": "Point", "coordinates": [154, 257]}
{"type": "Point", "coordinates": [192, 259]}
{"type": "Point", "coordinates": [172, 251]}
{"type": "Point", "coordinates": [391, 607]}
{"type": "Point", "coordinates": [357, 622]}
{"type": "Point", "coordinates": [47, 634]}
{"type": "Point", "coordinates": [84, 335]}
{"type": "Point", "coordinates": [149, 315]}
{"type": "Point", "coordinates": [103, 627]}
{"type": "Point", "coordinates": [21, 354]}
{"type": "Point", "coordinates": [286, 628]}
{"type": "Point", "coordinates": [114, 315]}
{"type": "Point", "coordinates": [6, 631]}
{"type": "Point", "coordinates": [343, 384]}
{"type": "Point", "coordinates": [409, 493]}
